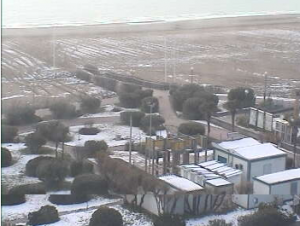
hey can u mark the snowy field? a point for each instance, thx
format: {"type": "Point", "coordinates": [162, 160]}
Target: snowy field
{"type": "Point", "coordinates": [34, 202]}
{"type": "Point", "coordinates": [14, 175]}
{"type": "Point", "coordinates": [109, 133]}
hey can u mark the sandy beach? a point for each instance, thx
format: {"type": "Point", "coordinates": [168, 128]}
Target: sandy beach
{"type": "Point", "coordinates": [223, 51]}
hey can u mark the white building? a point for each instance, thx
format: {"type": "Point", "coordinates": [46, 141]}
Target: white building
{"type": "Point", "coordinates": [281, 183]}
{"type": "Point", "coordinates": [276, 187]}
{"type": "Point", "coordinates": [250, 156]}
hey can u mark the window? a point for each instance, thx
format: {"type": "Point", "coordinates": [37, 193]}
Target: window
{"type": "Point", "coordinates": [267, 168]}
{"type": "Point", "coordinates": [222, 159]}
{"type": "Point", "coordinates": [294, 188]}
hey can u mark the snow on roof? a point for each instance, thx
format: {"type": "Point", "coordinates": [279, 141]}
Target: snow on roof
{"type": "Point", "coordinates": [214, 166]}
{"type": "Point", "coordinates": [204, 164]}
{"type": "Point", "coordinates": [218, 182]}
{"type": "Point", "coordinates": [259, 151]}
{"type": "Point", "coordinates": [181, 183]}
{"type": "Point", "coordinates": [245, 142]}
{"type": "Point", "coordinates": [280, 177]}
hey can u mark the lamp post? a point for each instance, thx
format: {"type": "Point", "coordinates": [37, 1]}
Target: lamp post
{"type": "Point", "coordinates": [151, 105]}
{"type": "Point", "coordinates": [192, 74]}
{"type": "Point", "coordinates": [130, 140]}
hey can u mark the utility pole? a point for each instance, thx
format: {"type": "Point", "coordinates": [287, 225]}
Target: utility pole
{"type": "Point", "coordinates": [53, 46]}
{"type": "Point", "coordinates": [265, 94]}
{"type": "Point", "coordinates": [192, 75]}
{"type": "Point", "coordinates": [165, 60]}
{"type": "Point", "coordinates": [174, 62]}
{"type": "Point", "coordinates": [130, 142]}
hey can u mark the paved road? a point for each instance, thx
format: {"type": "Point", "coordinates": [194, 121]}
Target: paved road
{"type": "Point", "coordinates": [173, 121]}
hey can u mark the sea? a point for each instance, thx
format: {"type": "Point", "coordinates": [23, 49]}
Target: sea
{"type": "Point", "coordinates": [47, 13]}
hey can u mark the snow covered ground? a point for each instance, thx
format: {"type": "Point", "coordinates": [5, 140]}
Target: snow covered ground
{"type": "Point", "coordinates": [108, 133]}
{"type": "Point", "coordinates": [35, 202]}
{"type": "Point", "coordinates": [82, 218]}
{"type": "Point", "coordinates": [14, 175]}
{"type": "Point", "coordinates": [230, 217]}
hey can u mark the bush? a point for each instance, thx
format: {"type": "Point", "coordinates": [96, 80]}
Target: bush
{"type": "Point", "coordinates": [88, 184]}
{"type": "Point", "coordinates": [157, 122]}
{"type": "Point", "coordinates": [8, 133]}
{"type": "Point", "coordinates": [24, 189]}
{"type": "Point", "coordinates": [180, 95]}
{"type": "Point", "coordinates": [266, 215]}
{"type": "Point", "coordinates": [6, 158]}
{"type": "Point", "coordinates": [105, 216]}
{"type": "Point", "coordinates": [21, 114]}
{"type": "Point", "coordinates": [89, 131]}
{"type": "Point", "coordinates": [191, 129]}
{"type": "Point", "coordinates": [83, 75]}
{"type": "Point", "coordinates": [34, 141]}
{"type": "Point", "coordinates": [169, 220]}
{"type": "Point", "coordinates": [136, 117]}
{"type": "Point", "coordinates": [53, 172]}
{"type": "Point", "coordinates": [91, 68]}
{"type": "Point", "coordinates": [191, 109]}
{"type": "Point", "coordinates": [81, 167]}
{"type": "Point", "coordinates": [90, 104]}
{"type": "Point", "coordinates": [33, 164]}
{"type": "Point", "coordinates": [219, 222]}
{"type": "Point", "coordinates": [145, 104]}
{"type": "Point", "coordinates": [243, 120]}
{"type": "Point", "coordinates": [12, 199]}
{"type": "Point", "coordinates": [63, 110]}
{"type": "Point", "coordinates": [92, 147]}
{"type": "Point", "coordinates": [244, 97]}
{"type": "Point", "coordinates": [64, 200]}
{"type": "Point", "coordinates": [45, 215]}
{"type": "Point", "coordinates": [53, 131]}
{"type": "Point", "coordinates": [106, 83]}
{"type": "Point", "coordinates": [131, 96]}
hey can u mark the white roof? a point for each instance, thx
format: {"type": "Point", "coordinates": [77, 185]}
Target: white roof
{"type": "Point", "coordinates": [218, 182]}
{"type": "Point", "coordinates": [204, 164]}
{"type": "Point", "coordinates": [258, 151]}
{"type": "Point", "coordinates": [245, 142]}
{"type": "Point", "coordinates": [281, 177]}
{"type": "Point", "coordinates": [181, 183]}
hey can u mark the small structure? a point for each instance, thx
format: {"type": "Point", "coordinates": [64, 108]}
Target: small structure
{"type": "Point", "coordinates": [281, 183]}
{"type": "Point", "coordinates": [261, 119]}
{"type": "Point", "coordinates": [213, 176]}
{"type": "Point", "coordinates": [250, 156]}
{"type": "Point", "coordinates": [284, 131]}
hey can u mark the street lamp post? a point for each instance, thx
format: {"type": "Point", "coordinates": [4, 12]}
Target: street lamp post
{"type": "Point", "coordinates": [130, 141]}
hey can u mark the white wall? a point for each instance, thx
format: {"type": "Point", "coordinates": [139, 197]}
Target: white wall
{"type": "Point", "coordinates": [284, 188]}
{"type": "Point", "coordinates": [260, 188]}
{"type": "Point", "coordinates": [278, 164]}
{"type": "Point", "coordinates": [241, 200]}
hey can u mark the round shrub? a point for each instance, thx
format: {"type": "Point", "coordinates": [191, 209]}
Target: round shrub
{"type": "Point", "coordinates": [6, 158]}
{"type": "Point", "coordinates": [89, 131]}
{"type": "Point", "coordinates": [136, 117]}
{"type": "Point", "coordinates": [145, 107]}
{"type": "Point", "coordinates": [169, 220]}
{"type": "Point", "coordinates": [81, 167]}
{"type": "Point", "coordinates": [92, 147]}
{"type": "Point", "coordinates": [191, 128]}
{"type": "Point", "coordinates": [90, 104]}
{"type": "Point", "coordinates": [52, 172]}
{"type": "Point", "coordinates": [83, 75]}
{"type": "Point", "coordinates": [8, 133]}
{"type": "Point", "coordinates": [87, 184]}
{"type": "Point", "coordinates": [33, 164]}
{"type": "Point", "coordinates": [45, 215]}
{"type": "Point", "coordinates": [12, 199]}
{"type": "Point", "coordinates": [24, 189]}
{"type": "Point", "coordinates": [105, 216]}
{"type": "Point", "coordinates": [157, 122]}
